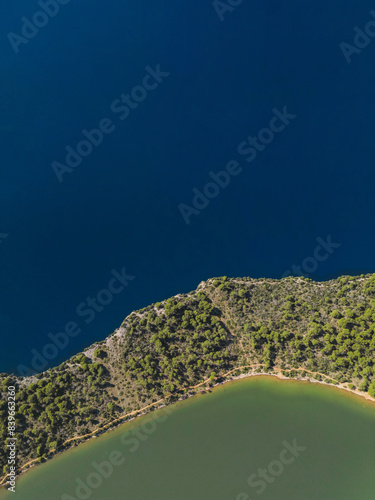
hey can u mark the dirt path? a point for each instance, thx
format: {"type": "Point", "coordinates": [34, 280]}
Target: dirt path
{"type": "Point", "coordinates": [225, 322]}
{"type": "Point", "coordinates": [278, 374]}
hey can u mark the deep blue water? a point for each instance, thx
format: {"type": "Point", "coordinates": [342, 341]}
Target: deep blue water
{"type": "Point", "coordinates": [119, 207]}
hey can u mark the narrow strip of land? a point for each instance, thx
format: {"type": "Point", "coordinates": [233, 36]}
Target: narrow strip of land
{"type": "Point", "coordinates": [278, 374]}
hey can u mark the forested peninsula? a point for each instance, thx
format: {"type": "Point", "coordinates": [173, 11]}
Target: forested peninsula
{"type": "Point", "coordinates": [172, 349]}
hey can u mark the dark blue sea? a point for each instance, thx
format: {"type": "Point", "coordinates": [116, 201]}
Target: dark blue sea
{"type": "Point", "coordinates": [218, 74]}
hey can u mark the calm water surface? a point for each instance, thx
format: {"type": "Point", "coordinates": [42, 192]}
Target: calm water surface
{"type": "Point", "coordinates": [119, 207]}
{"type": "Point", "coordinates": [212, 444]}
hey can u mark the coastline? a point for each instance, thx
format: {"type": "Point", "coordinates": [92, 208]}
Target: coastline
{"type": "Point", "coordinates": [124, 419]}
{"type": "Point", "coordinates": [280, 376]}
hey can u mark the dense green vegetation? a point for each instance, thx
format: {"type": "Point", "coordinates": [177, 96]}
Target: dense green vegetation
{"type": "Point", "coordinates": [170, 347]}
{"type": "Point", "coordinates": [176, 344]}
{"type": "Point", "coordinates": [54, 405]}
{"type": "Point", "coordinates": [327, 328]}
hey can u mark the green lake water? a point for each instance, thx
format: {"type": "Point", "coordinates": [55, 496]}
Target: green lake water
{"type": "Point", "coordinates": [218, 446]}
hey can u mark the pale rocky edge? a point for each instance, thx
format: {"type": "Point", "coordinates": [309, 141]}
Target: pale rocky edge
{"type": "Point", "coordinates": [239, 345]}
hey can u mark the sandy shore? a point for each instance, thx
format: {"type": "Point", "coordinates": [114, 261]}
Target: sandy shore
{"type": "Point", "coordinates": [280, 376]}
{"type": "Point", "coordinates": [144, 411]}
